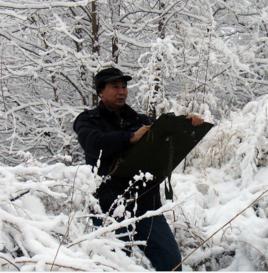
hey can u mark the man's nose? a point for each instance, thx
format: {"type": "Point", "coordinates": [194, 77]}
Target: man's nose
{"type": "Point", "coordinates": [121, 89]}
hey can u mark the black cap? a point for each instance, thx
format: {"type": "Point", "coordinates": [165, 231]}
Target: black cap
{"type": "Point", "coordinates": [108, 75]}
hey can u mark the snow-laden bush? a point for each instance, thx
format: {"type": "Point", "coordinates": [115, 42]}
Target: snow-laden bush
{"type": "Point", "coordinates": [225, 174]}
{"type": "Point", "coordinates": [42, 129]}
{"type": "Point", "coordinates": [220, 209]}
{"type": "Point", "coordinates": [238, 144]}
{"type": "Point", "coordinates": [46, 222]}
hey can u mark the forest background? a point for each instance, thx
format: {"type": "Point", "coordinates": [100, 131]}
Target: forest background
{"type": "Point", "coordinates": [208, 57]}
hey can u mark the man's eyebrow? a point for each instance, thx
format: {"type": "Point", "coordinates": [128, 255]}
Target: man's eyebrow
{"type": "Point", "coordinates": [119, 83]}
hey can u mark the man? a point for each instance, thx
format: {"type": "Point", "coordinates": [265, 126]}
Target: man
{"type": "Point", "coordinates": [107, 131]}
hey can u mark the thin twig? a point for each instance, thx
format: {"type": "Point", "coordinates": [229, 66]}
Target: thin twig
{"type": "Point", "coordinates": [116, 225]}
{"type": "Point", "coordinates": [84, 100]}
{"type": "Point", "coordinates": [238, 214]}
{"type": "Point", "coordinates": [70, 219]}
{"type": "Point", "coordinates": [19, 196]}
{"type": "Point", "coordinates": [211, 79]}
{"type": "Point", "coordinates": [207, 67]}
{"type": "Point", "coordinates": [1, 257]}
{"type": "Point", "coordinates": [58, 265]}
{"type": "Point", "coordinates": [1, 80]}
{"type": "Point", "coordinates": [67, 266]}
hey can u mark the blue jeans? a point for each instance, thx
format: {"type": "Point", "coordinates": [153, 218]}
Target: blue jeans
{"type": "Point", "coordinates": [161, 249]}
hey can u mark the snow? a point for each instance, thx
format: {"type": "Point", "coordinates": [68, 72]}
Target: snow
{"type": "Point", "coordinates": [220, 206]}
{"type": "Point", "coordinates": [219, 195]}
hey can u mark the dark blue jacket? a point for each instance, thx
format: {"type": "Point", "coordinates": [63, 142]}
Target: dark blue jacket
{"type": "Point", "coordinates": [101, 129]}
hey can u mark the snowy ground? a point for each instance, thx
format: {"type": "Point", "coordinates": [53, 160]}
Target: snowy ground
{"type": "Point", "coordinates": [45, 221]}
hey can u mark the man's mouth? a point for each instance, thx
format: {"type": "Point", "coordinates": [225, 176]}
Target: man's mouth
{"type": "Point", "coordinates": [121, 99]}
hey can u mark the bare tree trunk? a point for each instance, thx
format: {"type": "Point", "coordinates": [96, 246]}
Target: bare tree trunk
{"type": "Point", "coordinates": [1, 78]}
{"type": "Point", "coordinates": [115, 15]}
{"type": "Point", "coordinates": [53, 76]}
{"type": "Point", "coordinates": [79, 47]}
{"type": "Point", "coordinates": [95, 42]}
{"type": "Point", "coordinates": [161, 28]}
{"type": "Point", "coordinates": [115, 52]}
{"type": "Point", "coordinates": [55, 89]}
{"type": "Point", "coordinates": [161, 34]}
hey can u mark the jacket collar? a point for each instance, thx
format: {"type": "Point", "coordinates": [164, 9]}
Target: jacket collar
{"type": "Point", "coordinates": [125, 112]}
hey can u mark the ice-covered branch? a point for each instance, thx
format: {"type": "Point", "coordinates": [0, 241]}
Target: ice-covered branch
{"type": "Point", "coordinates": [12, 13]}
{"type": "Point", "coordinates": [48, 5]}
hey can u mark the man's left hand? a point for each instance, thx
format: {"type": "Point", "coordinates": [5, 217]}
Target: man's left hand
{"type": "Point", "coordinates": [196, 120]}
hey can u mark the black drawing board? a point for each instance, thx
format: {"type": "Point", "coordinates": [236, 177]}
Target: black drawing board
{"type": "Point", "coordinates": [160, 150]}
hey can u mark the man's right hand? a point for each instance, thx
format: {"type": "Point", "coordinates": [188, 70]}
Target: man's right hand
{"type": "Point", "coordinates": [139, 133]}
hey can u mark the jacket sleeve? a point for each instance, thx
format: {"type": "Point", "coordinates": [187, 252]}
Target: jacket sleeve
{"type": "Point", "coordinates": [93, 139]}
{"type": "Point", "coordinates": [146, 120]}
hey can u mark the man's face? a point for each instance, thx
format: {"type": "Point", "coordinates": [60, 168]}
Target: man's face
{"type": "Point", "coordinates": [114, 94]}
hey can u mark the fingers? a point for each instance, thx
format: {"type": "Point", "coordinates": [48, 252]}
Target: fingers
{"type": "Point", "coordinates": [196, 120]}
{"type": "Point", "coordinates": [139, 133]}
{"type": "Point", "coordinates": [146, 128]}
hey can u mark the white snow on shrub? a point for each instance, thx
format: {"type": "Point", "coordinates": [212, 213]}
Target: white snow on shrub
{"type": "Point", "coordinates": [46, 211]}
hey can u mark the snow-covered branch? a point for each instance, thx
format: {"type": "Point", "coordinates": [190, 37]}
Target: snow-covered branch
{"type": "Point", "coordinates": [48, 5]}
